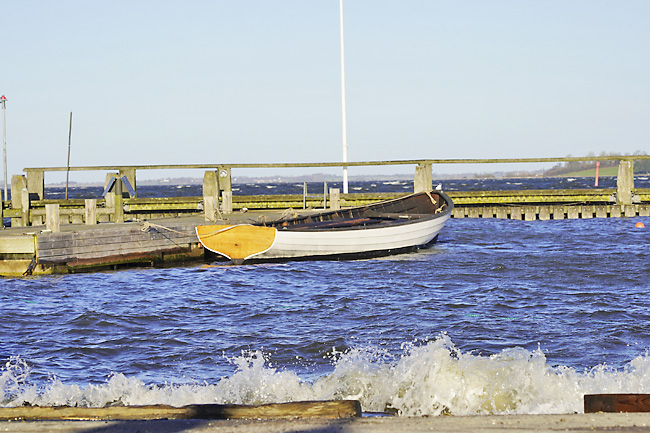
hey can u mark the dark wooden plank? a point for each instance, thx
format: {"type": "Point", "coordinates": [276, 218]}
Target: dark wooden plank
{"type": "Point", "coordinates": [304, 409]}
{"type": "Point", "coordinates": [616, 403]}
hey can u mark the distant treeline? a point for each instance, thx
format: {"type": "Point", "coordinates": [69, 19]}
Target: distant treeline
{"type": "Point", "coordinates": [641, 166]}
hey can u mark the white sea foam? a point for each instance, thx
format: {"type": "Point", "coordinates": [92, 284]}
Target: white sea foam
{"type": "Point", "coordinates": [430, 379]}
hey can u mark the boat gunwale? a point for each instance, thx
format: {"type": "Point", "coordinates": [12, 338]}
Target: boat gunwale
{"type": "Point", "coordinates": [293, 224]}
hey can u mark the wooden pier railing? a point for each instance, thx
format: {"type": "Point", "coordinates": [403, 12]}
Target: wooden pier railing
{"type": "Point", "coordinates": [30, 206]}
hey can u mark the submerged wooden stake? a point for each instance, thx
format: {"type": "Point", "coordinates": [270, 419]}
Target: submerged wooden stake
{"type": "Point", "coordinates": [617, 403]}
{"type": "Point", "coordinates": [301, 409]}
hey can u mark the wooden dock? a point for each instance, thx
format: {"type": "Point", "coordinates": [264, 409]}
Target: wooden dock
{"type": "Point", "coordinates": [121, 229]}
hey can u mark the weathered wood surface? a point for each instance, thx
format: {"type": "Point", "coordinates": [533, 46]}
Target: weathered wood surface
{"type": "Point", "coordinates": [119, 242]}
{"type": "Point", "coordinates": [23, 244]}
{"type": "Point", "coordinates": [304, 409]}
{"type": "Point", "coordinates": [616, 403]}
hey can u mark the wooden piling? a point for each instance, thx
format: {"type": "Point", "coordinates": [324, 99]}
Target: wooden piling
{"type": "Point", "coordinates": [129, 174]}
{"type": "Point", "coordinates": [210, 195]}
{"type": "Point", "coordinates": [226, 202]}
{"type": "Point", "coordinates": [625, 182]}
{"type": "Point", "coordinates": [544, 213]}
{"type": "Point", "coordinates": [335, 198]}
{"type": "Point", "coordinates": [210, 208]}
{"type": "Point", "coordinates": [118, 200]}
{"type": "Point", "coordinates": [52, 217]}
{"type": "Point", "coordinates": [573, 212]}
{"type": "Point", "coordinates": [501, 212]}
{"type": "Point", "coordinates": [36, 184]}
{"type": "Point", "coordinates": [530, 213]}
{"type": "Point", "coordinates": [90, 211]}
{"type": "Point", "coordinates": [24, 207]}
{"type": "Point", "coordinates": [422, 180]}
{"type": "Point", "coordinates": [587, 211]}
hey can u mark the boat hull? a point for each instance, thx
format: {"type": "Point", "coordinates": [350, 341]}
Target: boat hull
{"type": "Point", "coordinates": [292, 244]}
{"type": "Point", "coordinates": [383, 228]}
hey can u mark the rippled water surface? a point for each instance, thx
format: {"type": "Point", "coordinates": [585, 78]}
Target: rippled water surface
{"type": "Point", "coordinates": [500, 316]}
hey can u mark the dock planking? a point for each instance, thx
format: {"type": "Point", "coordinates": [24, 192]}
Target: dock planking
{"type": "Point", "coordinates": [80, 248]}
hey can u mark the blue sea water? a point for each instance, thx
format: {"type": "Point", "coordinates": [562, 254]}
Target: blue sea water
{"type": "Point", "coordinates": [500, 316]}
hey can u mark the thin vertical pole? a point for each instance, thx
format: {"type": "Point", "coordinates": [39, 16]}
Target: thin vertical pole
{"type": "Point", "coordinates": [343, 114]}
{"type": "Point", "coordinates": [4, 143]}
{"type": "Point", "coordinates": [67, 171]}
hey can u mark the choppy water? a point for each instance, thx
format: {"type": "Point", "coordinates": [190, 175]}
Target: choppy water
{"type": "Point", "coordinates": [500, 316]}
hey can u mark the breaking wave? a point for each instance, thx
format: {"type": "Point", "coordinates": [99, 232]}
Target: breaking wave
{"type": "Point", "coordinates": [429, 379]}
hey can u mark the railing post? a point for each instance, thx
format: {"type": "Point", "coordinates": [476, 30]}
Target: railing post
{"type": "Point", "coordinates": [36, 184]}
{"type": "Point", "coordinates": [225, 188]}
{"type": "Point", "coordinates": [335, 198]}
{"type": "Point", "coordinates": [210, 195]}
{"type": "Point", "coordinates": [423, 180]}
{"type": "Point", "coordinates": [130, 176]}
{"type": "Point", "coordinates": [625, 182]}
{"type": "Point", "coordinates": [91, 211]}
{"type": "Point", "coordinates": [52, 217]}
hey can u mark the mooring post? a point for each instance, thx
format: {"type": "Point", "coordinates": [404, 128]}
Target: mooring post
{"type": "Point", "coordinates": [625, 182]}
{"type": "Point", "coordinates": [18, 183]}
{"type": "Point", "coordinates": [335, 198]}
{"type": "Point", "coordinates": [109, 199]}
{"type": "Point", "coordinates": [210, 195]}
{"type": "Point", "coordinates": [226, 201]}
{"type": "Point", "coordinates": [24, 207]}
{"type": "Point", "coordinates": [118, 200]}
{"type": "Point", "coordinates": [52, 217]}
{"type": "Point", "coordinates": [423, 180]}
{"type": "Point", "coordinates": [91, 211]}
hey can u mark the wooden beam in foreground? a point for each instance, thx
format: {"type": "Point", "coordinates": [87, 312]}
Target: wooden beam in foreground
{"type": "Point", "coordinates": [301, 409]}
{"type": "Point", "coordinates": [617, 403]}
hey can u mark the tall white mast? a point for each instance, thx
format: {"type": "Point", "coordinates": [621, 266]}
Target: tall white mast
{"type": "Point", "coordinates": [344, 121]}
{"type": "Point", "coordinates": [3, 101]}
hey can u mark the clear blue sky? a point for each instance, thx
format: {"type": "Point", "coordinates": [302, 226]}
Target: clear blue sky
{"type": "Point", "coordinates": [159, 82]}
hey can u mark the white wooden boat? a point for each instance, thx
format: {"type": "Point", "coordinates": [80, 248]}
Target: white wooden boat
{"type": "Point", "coordinates": [386, 227]}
